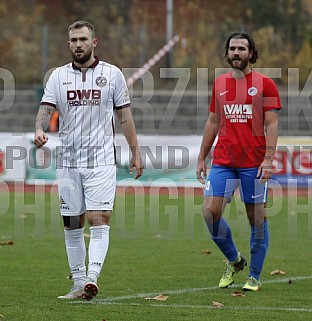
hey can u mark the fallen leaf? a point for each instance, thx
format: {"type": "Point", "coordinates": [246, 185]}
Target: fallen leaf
{"type": "Point", "coordinates": [206, 252]}
{"type": "Point", "coordinates": [159, 297]}
{"type": "Point", "coordinates": [7, 243]}
{"type": "Point", "coordinates": [217, 304]}
{"type": "Point", "coordinates": [237, 293]}
{"type": "Point", "coordinates": [277, 272]}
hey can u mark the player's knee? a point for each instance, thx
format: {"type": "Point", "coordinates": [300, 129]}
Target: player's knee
{"type": "Point", "coordinates": [211, 212]}
{"type": "Point", "coordinates": [72, 222]}
{"type": "Point", "coordinates": [208, 217]}
{"type": "Point", "coordinates": [99, 217]}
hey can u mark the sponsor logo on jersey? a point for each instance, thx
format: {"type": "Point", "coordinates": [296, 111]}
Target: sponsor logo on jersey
{"type": "Point", "coordinates": [126, 96]}
{"type": "Point", "coordinates": [238, 113]}
{"type": "Point", "coordinates": [252, 91]}
{"type": "Point", "coordinates": [67, 83]}
{"type": "Point", "coordinates": [101, 81]}
{"type": "Point", "coordinates": [222, 93]}
{"type": "Point", "coordinates": [84, 97]}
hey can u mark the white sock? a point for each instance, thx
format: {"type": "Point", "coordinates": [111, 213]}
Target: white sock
{"type": "Point", "coordinates": [76, 254]}
{"type": "Point", "coordinates": [99, 241]}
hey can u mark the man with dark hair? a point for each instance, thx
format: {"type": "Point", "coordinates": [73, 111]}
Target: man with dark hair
{"type": "Point", "coordinates": [251, 44]}
{"type": "Point", "coordinates": [243, 119]}
{"type": "Point", "coordinates": [87, 93]}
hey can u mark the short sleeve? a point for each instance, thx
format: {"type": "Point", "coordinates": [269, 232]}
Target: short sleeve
{"type": "Point", "coordinates": [212, 106]}
{"type": "Point", "coordinates": [121, 93]}
{"type": "Point", "coordinates": [49, 96]}
{"type": "Point", "coordinates": [271, 97]}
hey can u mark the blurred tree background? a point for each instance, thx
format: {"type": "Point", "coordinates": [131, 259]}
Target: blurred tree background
{"type": "Point", "coordinates": [34, 33]}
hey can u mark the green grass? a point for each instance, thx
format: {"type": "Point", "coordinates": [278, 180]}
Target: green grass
{"type": "Point", "coordinates": [156, 248]}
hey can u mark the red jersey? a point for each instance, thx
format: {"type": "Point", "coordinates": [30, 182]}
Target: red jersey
{"type": "Point", "coordinates": [240, 103]}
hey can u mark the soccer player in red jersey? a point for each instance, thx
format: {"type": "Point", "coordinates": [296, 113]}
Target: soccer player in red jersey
{"type": "Point", "coordinates": [87, 93]}
{"type": "Point", "coordinates": [243, 119]}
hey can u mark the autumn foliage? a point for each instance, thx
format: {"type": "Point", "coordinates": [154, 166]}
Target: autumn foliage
{"type": "Point", "coordinates": [131, 31]}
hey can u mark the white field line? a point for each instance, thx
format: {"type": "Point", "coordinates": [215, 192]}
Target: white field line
{"type": "Point", "coordinates": [114, 300]}
{"type": "Point", "coordinates": [188, 306]}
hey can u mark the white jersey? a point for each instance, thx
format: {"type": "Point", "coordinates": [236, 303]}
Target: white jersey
{"type": "Point", "coordinates": [86, 100]}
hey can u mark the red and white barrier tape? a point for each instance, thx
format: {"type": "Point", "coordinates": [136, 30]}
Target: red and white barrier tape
{"type": "Point", "coordinates": [140, 72]}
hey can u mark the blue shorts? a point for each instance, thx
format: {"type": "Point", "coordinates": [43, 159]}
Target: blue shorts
{"type": "Point", "coordinates": [223, 181]}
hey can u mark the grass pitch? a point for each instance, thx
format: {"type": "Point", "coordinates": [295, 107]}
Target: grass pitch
{"type": "Point", "coordinates": [159, 245]}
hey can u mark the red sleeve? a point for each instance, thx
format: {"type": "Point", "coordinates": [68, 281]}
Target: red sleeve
{"type": "Point", "coordinates": [213, 102]}
{"type": "Point", "coordinates": [271, 97]}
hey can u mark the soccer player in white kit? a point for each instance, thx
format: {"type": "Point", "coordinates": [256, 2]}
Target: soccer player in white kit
{"type": "Point", "coordinates": [87, 93]}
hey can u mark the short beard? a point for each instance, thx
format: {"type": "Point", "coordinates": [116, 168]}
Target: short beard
{"type": "Point", "coordinates": [244, 63]}
{"type": "Point", "coordinates": [83, 59]}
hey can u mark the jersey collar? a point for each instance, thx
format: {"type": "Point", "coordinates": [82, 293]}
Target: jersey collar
{"type": "Point", "coordinates": [93, 65]}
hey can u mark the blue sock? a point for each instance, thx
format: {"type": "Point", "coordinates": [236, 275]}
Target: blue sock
{"type": "Point", "coordinates": [259, 243]}
{"type": "Point", "coordinates": [221, 234]}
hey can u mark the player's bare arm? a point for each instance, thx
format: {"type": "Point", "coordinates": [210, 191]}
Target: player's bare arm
{"type": "Point", "coordinates": [266, 167]}
{"type": "Point", "coordinates": [42, 124]}
{"type": "Point", "coordinates": [127, 124]}
{"type": "Point", "coordinates": [210, 132]}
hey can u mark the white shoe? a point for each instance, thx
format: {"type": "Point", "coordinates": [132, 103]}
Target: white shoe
{"type": "Point", "coordinates": [76, 292]}
{"type": "Point", "coordinates": [90, 290]}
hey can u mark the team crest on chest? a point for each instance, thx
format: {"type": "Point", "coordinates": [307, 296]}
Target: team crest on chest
{"type": "Point", "coordinates": [252, 91]}
{"type": "Point", "coordinates": [101, 81]}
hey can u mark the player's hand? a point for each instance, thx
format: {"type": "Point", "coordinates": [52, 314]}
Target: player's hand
{"type": "Point", "coordinates": [41, 138]}
{"type": "Point", "coordinates": [265, 171]}
{"type": "Point", "coordinates": [201, 171]}
{"type": "Point", "coordinates": [136, 161]}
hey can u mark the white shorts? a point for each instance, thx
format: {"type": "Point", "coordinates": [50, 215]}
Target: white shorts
{"type": "Point", "coordinates": [82, 189]}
